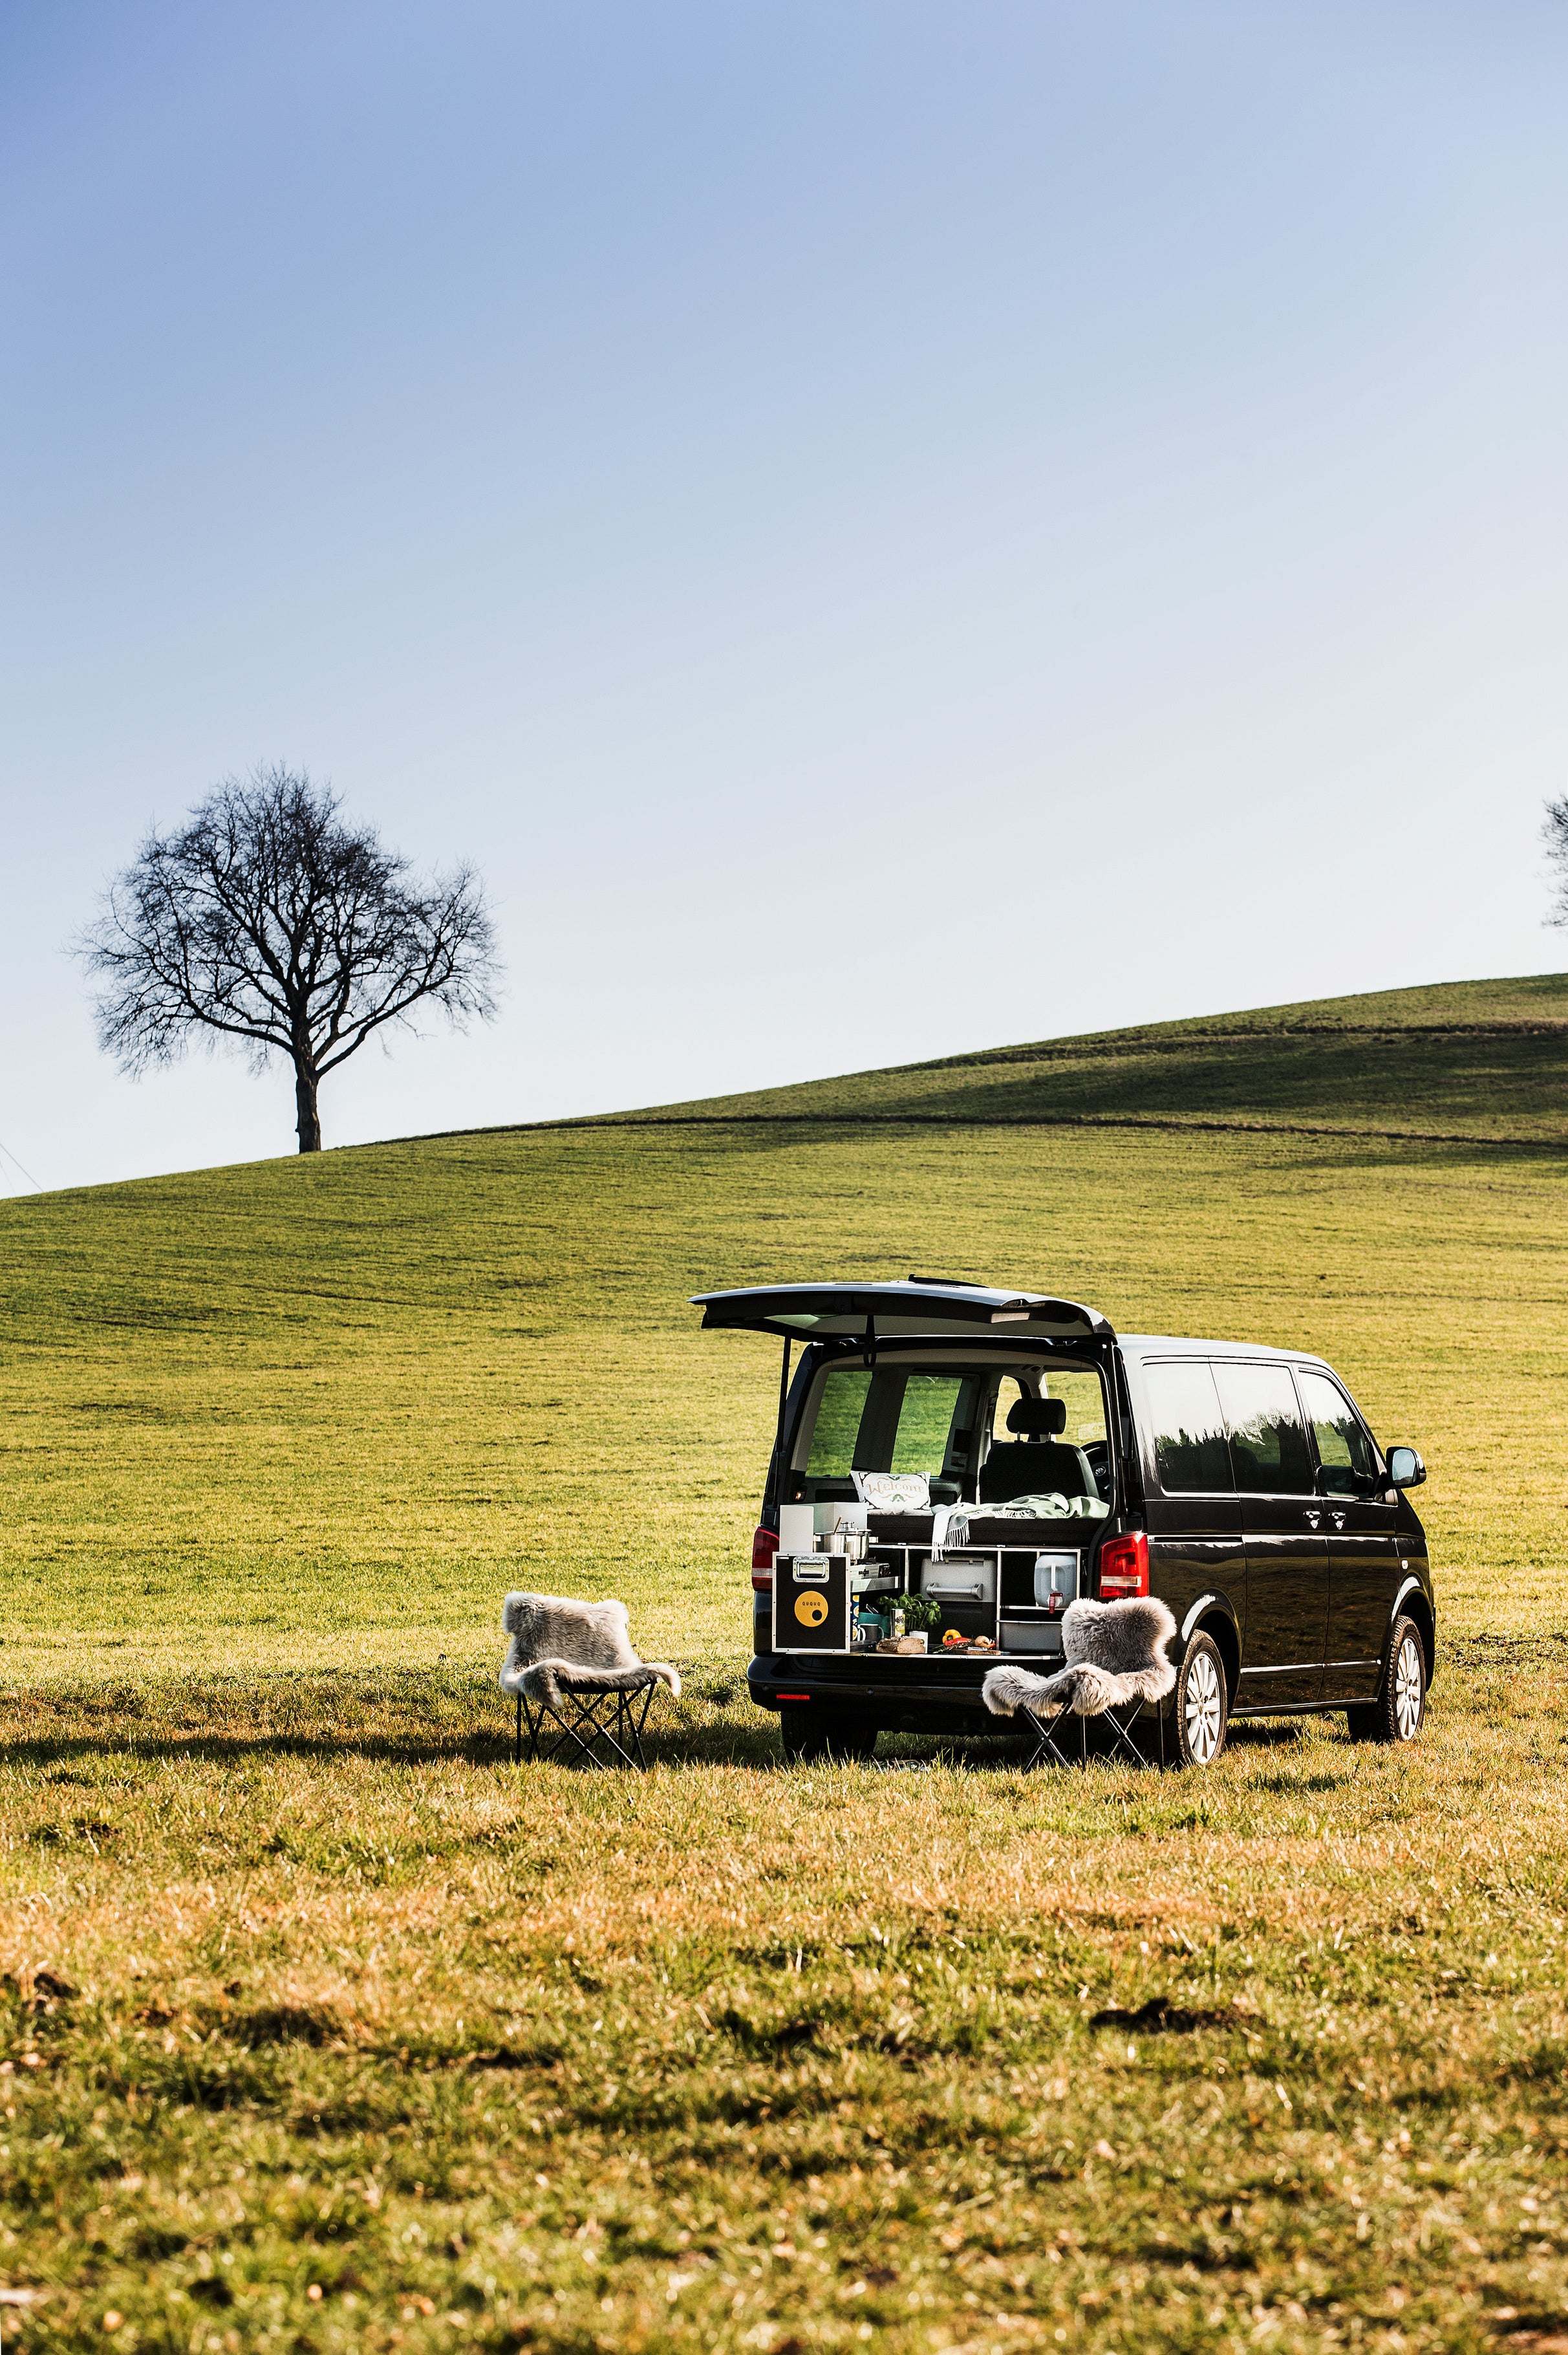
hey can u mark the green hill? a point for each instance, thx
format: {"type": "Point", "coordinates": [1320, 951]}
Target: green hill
{"type": "Point", "coordinates": [325, 1411]}
{"type": "Point", "coordinates": [1465, 1058]}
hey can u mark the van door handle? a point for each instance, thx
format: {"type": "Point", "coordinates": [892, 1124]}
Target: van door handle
{"type": "Point", "coordinates": [1313, 1519]}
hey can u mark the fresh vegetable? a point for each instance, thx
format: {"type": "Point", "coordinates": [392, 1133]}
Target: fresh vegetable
{"type": "Point", "coordinates": [920, 1611]}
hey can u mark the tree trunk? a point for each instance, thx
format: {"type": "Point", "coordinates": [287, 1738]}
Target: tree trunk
{"type": "Point", "coordinates": [308, 1122]}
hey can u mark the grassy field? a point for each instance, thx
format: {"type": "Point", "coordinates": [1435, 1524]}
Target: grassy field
{"type": "Point", "coordinates": [324, 2027]}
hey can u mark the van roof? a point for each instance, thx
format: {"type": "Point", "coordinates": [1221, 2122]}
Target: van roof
{"type": "Point", "coordinates": [913, 1306]}
{"type": "Point", "coordinates": [1184, 1345]}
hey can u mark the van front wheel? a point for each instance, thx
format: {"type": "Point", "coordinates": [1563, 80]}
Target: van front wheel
{"type": "Point", "coordinates": [808, 1738]}
{"type": "Point", "coordinates": [1200, 1705]}
{"type": "Point", "coordinates": [1398, 1712]}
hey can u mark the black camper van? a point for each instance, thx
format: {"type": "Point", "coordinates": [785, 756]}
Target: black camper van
{"type": "Point", "coordinates": [958, 1462]}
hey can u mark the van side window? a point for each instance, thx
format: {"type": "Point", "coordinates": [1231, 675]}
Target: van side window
{"type": "Point", "coordinates": [1190, 1450]}
{"type": "Point", "coordinates": [1344, 1451]}
{"type": "Point", "coordinates": [1269, 1442]}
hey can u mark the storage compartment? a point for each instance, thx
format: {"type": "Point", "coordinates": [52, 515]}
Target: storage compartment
{"type": "Point", "coordinates": [970, 1619]}
{"type": "Point", "coordinates": [1032, 1636]}
{"type": "Point", "coordinates": [1035, 1581]}
{"type": "Point", "coordinates": [992, 1529]}
{"type": "Point", "coordinates": [959, 1578]}
{"type": "Point", "coordinates": [827, 1603]}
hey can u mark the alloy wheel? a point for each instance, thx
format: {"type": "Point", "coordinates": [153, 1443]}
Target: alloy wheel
{"type": "Point", "coordinates": [1201, 1710]}
{"type": "Point", "coordinates": [1407, 1677]}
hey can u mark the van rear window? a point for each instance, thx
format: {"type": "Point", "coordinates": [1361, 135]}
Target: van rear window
{"type": "Point", "coordinates": [1190, 1450]}
{"type": "Point", "coordinates": [839, 1414]}
{"type": "Point", "coordinates": [925, 1420]}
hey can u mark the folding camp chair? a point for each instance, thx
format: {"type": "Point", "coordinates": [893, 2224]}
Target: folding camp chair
{"type": "Point", "coordinates": [581, 1690]}
{"type": "Point", "coordinates": [1116, 1663]}
{"type": "Point", "coordinates": [595, 1725]}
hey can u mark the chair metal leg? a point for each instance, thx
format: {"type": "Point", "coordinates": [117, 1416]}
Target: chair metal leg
{"type": "Point", "coordinates": [1121, 1734]}
{"type": "Point", "coordinates": [1045, 1729]}
{"type": "Point", "coordinates": [570, 1733]}
{"type": "Point", "coordinates": [599, 1728]}
{"type": "Point", "coordinates": [631, 1718]}
{"type": "Point", "coordinates": [1121, 1727]}
{"type": "Point", "coordinates": [534, 1724]}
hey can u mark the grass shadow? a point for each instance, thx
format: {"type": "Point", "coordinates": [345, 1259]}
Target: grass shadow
{"type": "Point", "coordinates": [722, 1744]}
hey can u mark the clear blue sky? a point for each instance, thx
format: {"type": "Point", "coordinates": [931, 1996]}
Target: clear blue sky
{"type": "Point", "coordinates": [880, 529]}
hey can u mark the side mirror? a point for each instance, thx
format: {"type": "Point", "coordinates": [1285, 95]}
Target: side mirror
{"type": "Point", "coordinates": [1405, 1469]}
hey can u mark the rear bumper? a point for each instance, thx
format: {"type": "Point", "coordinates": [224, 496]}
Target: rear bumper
{"type": "Point", "coordinates": [909, 1694]}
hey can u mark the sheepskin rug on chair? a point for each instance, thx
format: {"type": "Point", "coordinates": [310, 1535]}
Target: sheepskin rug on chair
{"type": "Point", "coordinates": [1114, 1653]}
{"type": "Point", "coordinates": [557, 1643]}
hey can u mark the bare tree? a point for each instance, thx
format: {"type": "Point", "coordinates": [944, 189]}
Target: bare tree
{"type": "Point", "coordinates": [1555, 835]}
{"type": "Point", "coordinates": [266, 919]}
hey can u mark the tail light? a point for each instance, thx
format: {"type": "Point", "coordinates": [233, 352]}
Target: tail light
{"type": "Point", "coordinates": [764, 1546]}
{"type": "Point", "coordinates": [1123, 1566]}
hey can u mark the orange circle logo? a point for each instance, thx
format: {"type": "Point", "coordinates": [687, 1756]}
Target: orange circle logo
{"type": "Point", "coordinates": [810, 1610]}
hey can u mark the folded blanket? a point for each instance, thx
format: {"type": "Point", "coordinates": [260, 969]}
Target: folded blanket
{"type": "Point", "coordinates": [1044, 1506]}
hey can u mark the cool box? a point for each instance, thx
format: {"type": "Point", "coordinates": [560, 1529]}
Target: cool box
{"type": "Point", "coordinates": [811, 1603]}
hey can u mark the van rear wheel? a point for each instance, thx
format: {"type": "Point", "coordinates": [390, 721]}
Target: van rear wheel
{"type": "Point", "coordinates": [1202, 1710]}
{"type": "Point", "coordinates": [810, 1738]}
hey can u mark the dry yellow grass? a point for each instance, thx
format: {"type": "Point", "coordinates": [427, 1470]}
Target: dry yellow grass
{"type": "Point", "coordinates": [733, 2057]}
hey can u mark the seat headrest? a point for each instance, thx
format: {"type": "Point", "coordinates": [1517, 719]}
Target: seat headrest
{"type": "Point", "coordinates": [1038, 1417]}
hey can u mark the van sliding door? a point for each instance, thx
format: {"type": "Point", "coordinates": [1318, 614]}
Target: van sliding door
{"type": "Point", "coordinates": [1193, 1512]}
{"type": "Point", "coordinates": [1359, 1529]}
{"type": "Point", "coordinates": [1282, 1524]}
